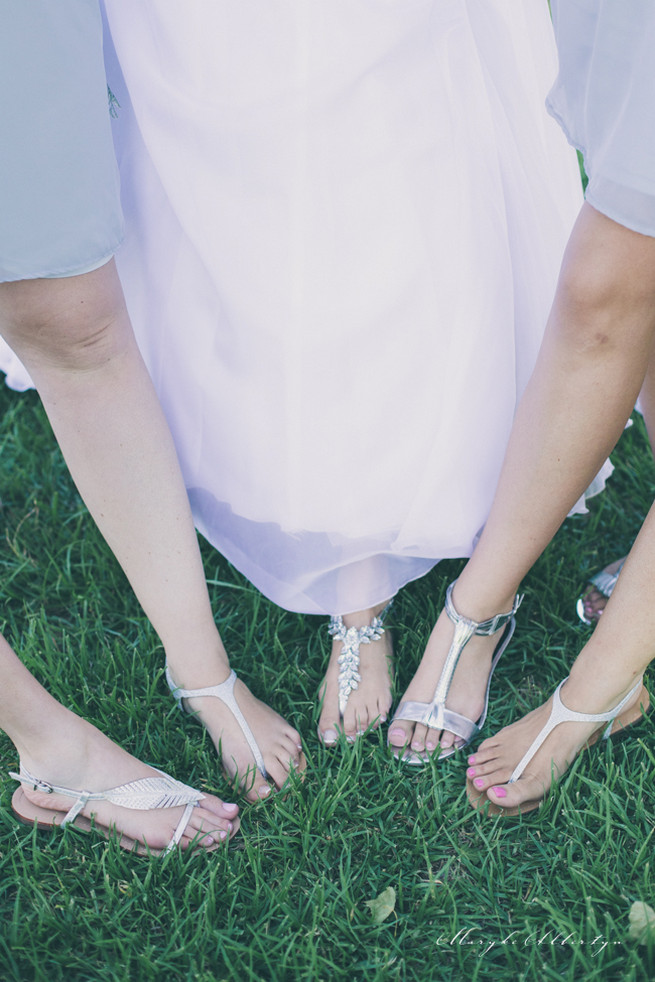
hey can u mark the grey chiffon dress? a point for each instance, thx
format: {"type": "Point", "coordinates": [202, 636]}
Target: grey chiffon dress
{"type": "Point", "coordinates": [604, 99]}
{"type": "Point", "coordinates": [60, 209]}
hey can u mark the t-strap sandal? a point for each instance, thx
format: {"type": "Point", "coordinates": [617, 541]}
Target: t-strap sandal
{"type": "Point", "coordinates": [225, 692]}
{"type": "Point", "coordinates": [617, 722]}
{"type": "Point", "coordinates": [145, 794]}
{"type": "Point", "coordinates": [435, 714]}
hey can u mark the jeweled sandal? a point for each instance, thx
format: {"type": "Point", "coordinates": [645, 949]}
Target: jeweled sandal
{"type": "Point", "coordinates": [145, 794]}
{"type": "Point", "coordinates": [618, 720]}
{"type": "Point", "coordinates": [435, 714]}
{"type": "Point", "coordinates": [351, 639]}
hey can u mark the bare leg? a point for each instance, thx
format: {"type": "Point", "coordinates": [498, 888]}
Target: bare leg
{"type": "Point", "coordinates": [590, 369]}
{"type": "Point", "coordinates": [617, 654]}
{"type": "Point", "coordinates": [74, 336]}
{"type": "Point", "coordinates": [369, 704]}
{"type": "Point", "coordinates": [58, 747]}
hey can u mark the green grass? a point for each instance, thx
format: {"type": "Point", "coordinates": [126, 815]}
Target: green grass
{"type": "Point", "coordinates": [475, 899]}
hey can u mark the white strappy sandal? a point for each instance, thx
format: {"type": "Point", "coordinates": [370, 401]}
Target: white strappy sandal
{"type": "Point", "coordinates": [435, 714]}
{"type": "Point", "coordinates": [145, 794]}
{"type": "Point", "coordinates": [225, 692]}
{"type": "Point", "coordinates": [617, 721]}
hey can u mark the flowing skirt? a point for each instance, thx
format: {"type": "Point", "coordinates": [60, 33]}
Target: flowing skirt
{"type": "Point", "coordinates": [344, 223]}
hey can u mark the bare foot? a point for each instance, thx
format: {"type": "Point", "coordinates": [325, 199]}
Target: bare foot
{"type": "Point", "coordinates": [491, 766]}
{"type": "Point", "coordinates": [80, 757]}
{"type": "Point", "coordinates": [278, 743]}
{"type": "Point", "coordinates": [594, 600]}
{"type": "Point", "coordinates": [466, 695]}
{"type": "Point", "coordinates": [369, 703]}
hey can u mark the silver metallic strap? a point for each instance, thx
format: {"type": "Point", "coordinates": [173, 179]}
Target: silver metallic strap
{"type": "Point", "coordinates": [605, 582]}
{"type": "Point", "coordinates": [464, 631]}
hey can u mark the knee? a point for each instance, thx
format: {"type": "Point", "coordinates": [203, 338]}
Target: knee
{"type": "Point", "coordinates": [55, 324]}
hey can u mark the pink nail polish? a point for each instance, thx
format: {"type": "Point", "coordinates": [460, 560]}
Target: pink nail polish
{"type": "Point", "coordinates": [500, 792]}
{"type": "Point", "coordinates": [223, 835]}
{"type": "Point", "coordinates": [470, 772]}
{"type": "Point", "coordinates": [472, 760]}
{"type": "Point", "coordinates": [479, 783]}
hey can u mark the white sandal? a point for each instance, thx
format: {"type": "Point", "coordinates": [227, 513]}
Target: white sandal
{"type": "Point", "coordinates": [145, 794]}
{"type": "Point", "coordinates": [560, 714]}
{"type": "Point", "coordinates": [435, 714]}
{"type": "Point", "coordinates": [225, 692]}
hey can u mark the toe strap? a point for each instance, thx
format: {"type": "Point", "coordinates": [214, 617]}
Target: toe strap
{"type": "Point", "coordinates": [147, 793]}
{"type": "Point", "coordinates": [560, 714]}
{"type": "Point", "coordinates": [225, 692]}
{"type": "Point", "coordinates": [181, 826]}
{"type": "Point", "coordinates": [437, 717]}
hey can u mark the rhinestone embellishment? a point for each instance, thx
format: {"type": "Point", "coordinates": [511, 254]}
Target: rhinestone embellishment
{"type": "Point", "coordinates": [351, 638]}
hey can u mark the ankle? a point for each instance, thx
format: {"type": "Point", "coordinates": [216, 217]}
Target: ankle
{"type": "Point", "coordinates": [479, 605]}
{"type": "Point", "coordinates": [67, 753]}
{"type": "Point", "coordinates": [363, 618]}
{"type": "Point", "coordinates": [194, 667]}
{"type": "Point", "coordinates": [596, 692]}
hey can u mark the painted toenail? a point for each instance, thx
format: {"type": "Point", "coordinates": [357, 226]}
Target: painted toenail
{"type": "Point", "coordinates": [416, 745]}
{"type": "Point", "coordinates": [472, 759]}
{"type": "Point", "coordinates": [222, 835]}
{"type": "Point", "coordinates": [430, 746]}
{"type": "Point", "coordinates": [500, 792]}
{"type": "Point", "coordinates": [479, 783]}
{"type": "Point", "coordinates": [470, 772]}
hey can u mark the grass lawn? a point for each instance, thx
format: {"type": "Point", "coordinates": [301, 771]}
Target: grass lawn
{"type": "Point", "coordinates": [541, 898]}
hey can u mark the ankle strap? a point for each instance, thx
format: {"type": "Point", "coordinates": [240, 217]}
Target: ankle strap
{"type": "Point", "coordinates": [483, 628]}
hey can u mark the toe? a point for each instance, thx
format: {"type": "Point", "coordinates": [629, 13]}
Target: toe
{"type": "Point", "coordinates": [418, 737]}
{"type": "Point", "coordinates": [524, 794]}
{"type": "Point", "coordinates": [329, 736]}
{"type": "Point", "coordinates": [400, 733]}
{"type": "Point", "coordinates": [221, 809]}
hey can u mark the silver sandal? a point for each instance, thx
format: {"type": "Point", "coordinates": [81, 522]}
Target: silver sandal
{"type": "Point", "coordinates": [144, 794]}
{"type": "Point", "coordinates": [351, 639]}
{"type": "Point", "coordinates": [225, 692]}
{"type": "Point", "coordinates": [435, 714]}
{"type": "Point", "coordinates": [604, 582]}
